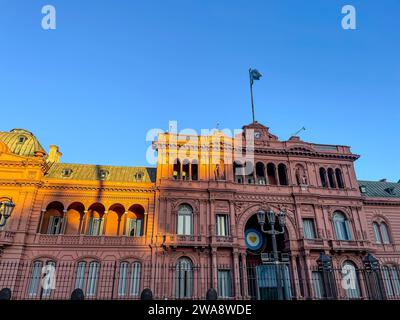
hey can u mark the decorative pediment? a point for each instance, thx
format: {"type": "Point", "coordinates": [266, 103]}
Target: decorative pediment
{"type": "Point", "coordinates": [260, 132]}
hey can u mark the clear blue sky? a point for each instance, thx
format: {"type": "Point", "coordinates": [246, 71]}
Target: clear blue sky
{"type": "Point", "coordinates": [112, 70]}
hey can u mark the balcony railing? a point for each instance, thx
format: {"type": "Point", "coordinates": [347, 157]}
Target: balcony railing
{"type": "Point", "coordinates": [6, 237]}
{"type": "Point", "coordinates": [86, 240]}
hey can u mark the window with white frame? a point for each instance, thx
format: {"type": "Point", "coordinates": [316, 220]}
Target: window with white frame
{"type": "Point", "coordinates": [34, 281]}
{"type": "Point", "coordinates": [185, 220]}
{"type": "Point", "coordinates": [342, 226]}
{"type": "Point", "coordinates": [42, 279]}
{"type": "Point", "coordinates": [222, 225]}
{"type": "Point", "coordinates": [385, 233]}
{"type": "Point", "coordinates": [318, 284]}
{"type": "Point", "coordinates": [134, 227]}
{"type": "Point", "coordinates": [184, 278]}
{"type": "Point", "coordinates": [392, 281]}
{"type": "Point", "coordinates": [95, 226]}
{"type": "Point", "coordinates": [80, 276]}
{"type": "Point", "coordinates": [93, 276]}
{"type": "Point", "coordinates": [224, 284]}
{"type": "Point", "coordinates": [129, 277]}
{"type": "Point", "coordinates": [377, 234]}
{"type": "Point", "coordinates": [55, 224]}
{"type": "Point", "coordinates": [309, 228]}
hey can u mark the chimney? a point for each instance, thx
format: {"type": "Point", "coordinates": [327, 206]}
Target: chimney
{"type": "Point", "coordinates": [54, 154]}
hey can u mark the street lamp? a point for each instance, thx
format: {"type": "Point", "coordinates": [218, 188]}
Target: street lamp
{"type": "Point", "coordinates": [271, 218]}
{"type": "Point", "coordinates": [6, 209]}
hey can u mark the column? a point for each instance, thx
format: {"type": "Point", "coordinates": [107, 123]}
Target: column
{"type": "Point", "coordinates": [214, 268]}
{"type": "Point", "coordinates": [83, 222]}
{"type": "Point", "coordinates": [64, 221]}
{"type": "Point", "coordinates": [244, 275]}
{"type": "Point", "coordinates": [43, 212]}
{"type": "Point", "coordinates": [236, 275]}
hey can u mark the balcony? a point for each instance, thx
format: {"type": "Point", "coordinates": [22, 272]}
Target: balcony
{"type": "Point", "coordinates": [85, 240]}
{"type": "Point", "coordinates": [349, 245]}
{"type": "Point", "coordinates": [6, 238]}
{"type": "Point", "coordinates": [185, 240]}
{"type": "Point", "coordinates": [314, 243]}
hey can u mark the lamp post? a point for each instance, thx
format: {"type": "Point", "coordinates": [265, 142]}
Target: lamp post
{"type": "Point", "coordinates": [6, 209]}
{"type": "Point", "coordinates": [271, 219]}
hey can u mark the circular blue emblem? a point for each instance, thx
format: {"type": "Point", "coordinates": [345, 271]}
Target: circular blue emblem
{"type": "Point", "coordinates": [254, 239]}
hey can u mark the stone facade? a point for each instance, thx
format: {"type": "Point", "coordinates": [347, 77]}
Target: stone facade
{"type": "Point", "coordinates": [195, 208]}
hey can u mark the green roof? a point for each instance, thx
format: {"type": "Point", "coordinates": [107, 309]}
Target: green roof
{"type": "Point", "coordinates": [380, 189]}
{"type": "Point", "coordinates": [21, 142]}
{"type": "Point", "coordinates": [91, 172]}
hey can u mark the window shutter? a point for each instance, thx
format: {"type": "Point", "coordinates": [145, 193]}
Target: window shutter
{"type": "Point", "coordinates": [50, 225]}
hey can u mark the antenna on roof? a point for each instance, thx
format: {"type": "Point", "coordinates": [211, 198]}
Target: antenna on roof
{"type": "Point", "coordinates": [297, 132]}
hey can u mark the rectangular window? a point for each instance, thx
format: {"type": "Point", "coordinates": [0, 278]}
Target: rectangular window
{"type": "Point", "coordinates": [318, 285]}
{"type": "Point", "coordinates": [95, 227]}
{"type": "Point", "coordinates": [123, 278]}
{"type": "Point", "coordinates": [222, 225]}
{"type": "Point", "coordinates": [342, 229]}
{"type": "Point", "coordinates": [92, 278]}
{"type": "Point", "coordinates": [377, 235]}
{"type": "Point", "coordinates": [309, 229]}
{"type": "Point", "coordinates": [185, 224]}
{"type": "Point", "coordinates": [34, 283]}
{"type": "Point", "coordinates": [135, 279]}
{"type": "Point", "coordinates": [55, 224]}
{"type": "Point", "coordinates": [80, 275]}
{"type": "Point", "coordinates": [134, 227]}
{"type": "Point", "coordinates": [224, 284]}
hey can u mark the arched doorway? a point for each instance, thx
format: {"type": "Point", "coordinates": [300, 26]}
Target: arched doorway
{"type": "Point", "coordinates": [266, 279]}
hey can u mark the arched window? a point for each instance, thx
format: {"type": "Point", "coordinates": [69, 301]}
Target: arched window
{"type": "Point", "coordinates": [282, 173]}
{"type": "Point", "coordinates": [385, 233]}
{"type": "Point", "coordinates": [342, 226]}
{"type": "Point", "coordinates": [392, 281]}
{"type": "Point", "coordinates": [339, 178]}
{"type": "Point", "coordinates": [377, 234]}
{"type": "Point", "coordinates": [331, 178]}
{"type": "Point", "coordinates": [195, 170]}
{"type": "Point", "coordinates": [322, 175]}
{"type": "Point", "coordinates": [350, 281]}
{"type": "Point", "coordinates": [38, 271]}
{"type": "Point", "coordinates": [184, 278]}
{"type": "Point", "coordinates": [185, 169]}
{"type": "Point", "coordinates": [185, 220]}
{"type": "Point", "coordinates": [129, 277]}
{"type": "Point", "coordinates": [75, 214]}
{"type": "Point", "coordinates": [260, 173]}
{"type": "Point", "coordinates": [87, 278]}
{"type": "Point", "coordinates": [53, 218]}
{"type": "Point", "coordinates": [177, 169]}
{"type": "Point", "coordinates": [271, 173]}
{"type": "Point", "coordinates": [135, 221]}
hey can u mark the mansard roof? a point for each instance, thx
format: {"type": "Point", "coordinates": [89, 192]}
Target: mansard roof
{"type": "Point", "coordinates": [379, 189]}
{"type": "Point", "coordinates": [21, 142]}
{"type": "Point", "coordinates": [73, 171]}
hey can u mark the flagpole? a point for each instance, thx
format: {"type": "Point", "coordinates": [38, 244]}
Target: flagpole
{"type": "Point", "coordinates": [251, 95]}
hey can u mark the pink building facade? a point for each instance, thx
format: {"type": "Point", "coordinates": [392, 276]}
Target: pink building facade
{"type": "Point", "coordinates": [190, 224]}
